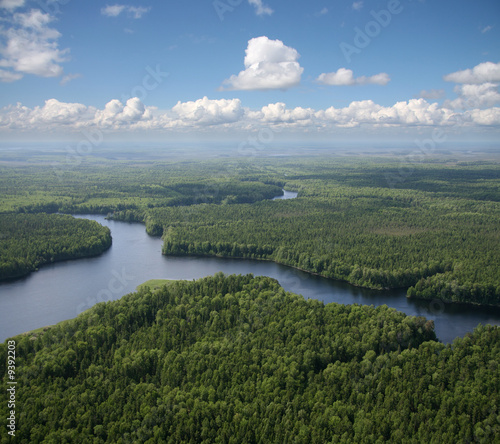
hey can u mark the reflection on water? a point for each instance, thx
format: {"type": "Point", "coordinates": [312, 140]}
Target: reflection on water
{"type": "Point", "coordinates": [287, 195]}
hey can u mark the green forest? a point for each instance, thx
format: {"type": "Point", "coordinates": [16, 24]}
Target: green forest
{"type": "Point", "coordinates": [236, 359]}
{"type": "Point", "coordinates": [438, 249]}
{"type": "Point", "coordinates": [28, 241]}
{"type": "Point", "coordinates": [106, 187]}
{"type": "Point", "coordinates": [432, 227]}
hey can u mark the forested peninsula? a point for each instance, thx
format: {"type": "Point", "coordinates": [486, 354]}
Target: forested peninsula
{"type": "Point", "coordinates": [28, 241]}
{"type": "Point", "coordinates": [237, 359]}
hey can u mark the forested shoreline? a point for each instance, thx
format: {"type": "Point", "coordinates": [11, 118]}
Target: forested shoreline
{"type": "Point", "coordinates": [433, 230]}
{"type": "Point", "coordinates": [237, 359]}
{"type": "Point", "coordinates": [29, 241]}
{"type": "Point", "coordinates": [440, 245]}
{"type": "Point", "coordinates": [347, 246]}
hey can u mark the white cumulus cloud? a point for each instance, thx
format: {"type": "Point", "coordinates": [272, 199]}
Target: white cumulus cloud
{"type": "Point", "coordinates": [115, 114]}
{"type": "Point", "coordinates": [343, 77]}
{"type": "Point", "coordinates": [30, 47]}
{"type": "Point", "coordinates": [482, 73]}
{"type": "Point", "coordinates": [269, 64]}
{"type": "Point", "coordinates": [209, 112]}
{"type": "Point", "coordinates": [53, 115]}
{"type": "Point", "coordinates": [487, 117]}
{"type": "Point", "coordinates": [56, 111]}
{"type": "Point", "coordinates": [278, 113]}
{"type": "Point", "coordinates": [475, 96]}
{"type": "Point", "coordinates": [416, 112]}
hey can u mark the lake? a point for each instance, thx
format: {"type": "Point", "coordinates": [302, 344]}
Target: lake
{"type": "Point", "coordinates": [63, 290]}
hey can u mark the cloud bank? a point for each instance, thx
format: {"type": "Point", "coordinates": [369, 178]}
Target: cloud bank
{"type": "Point", "coordinates": [229, 114]}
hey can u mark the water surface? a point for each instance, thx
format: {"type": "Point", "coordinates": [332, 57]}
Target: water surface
{"type": "Point", "coordinates": [63, 290]}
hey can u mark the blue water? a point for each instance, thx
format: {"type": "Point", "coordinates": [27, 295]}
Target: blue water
{"type": "Point", "coordinates": [63, 290]}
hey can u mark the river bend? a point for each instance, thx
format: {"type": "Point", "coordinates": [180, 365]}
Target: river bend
{"type": "Point", "coordinates": [62, 290]}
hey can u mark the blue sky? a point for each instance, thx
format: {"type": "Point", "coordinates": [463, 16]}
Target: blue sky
{"type": "Point", "coordinates": [322, 68]}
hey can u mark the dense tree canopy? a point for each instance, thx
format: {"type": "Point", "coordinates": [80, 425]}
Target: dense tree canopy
{"type": "Point", "coordinates": [432, 227]}
{"type": "Point", "coordinates": [28, 241]}
{"type": "Point", "coordinates": [443, 249]}
{"type": "Point", "coordinates": [237, 359]}
{"type": "Point", "coordinates": [116, 186]}
{"type": "Point", "coordinates": [353, 224]}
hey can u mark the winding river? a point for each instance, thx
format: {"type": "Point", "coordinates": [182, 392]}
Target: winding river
{"type": "Point", "coordinates": [63, 290]}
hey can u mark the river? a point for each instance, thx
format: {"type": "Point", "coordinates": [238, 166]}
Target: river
{"type": "Point", "coordinates": [63, 290]}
